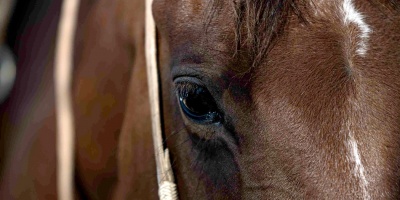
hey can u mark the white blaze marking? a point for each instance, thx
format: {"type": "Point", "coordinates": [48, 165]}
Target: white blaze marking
{"type": "Point", "coordinates": [351, 15]}
{"type": "Point", "coordinates": [358, 168]}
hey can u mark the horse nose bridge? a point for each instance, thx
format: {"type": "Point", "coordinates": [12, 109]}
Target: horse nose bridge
{"type": "Point", "coordinates": [357, 159]}
{"type": "Point", "coordinates": [373, 158]}
{"type": "Point", "coordinates": [372, 144]}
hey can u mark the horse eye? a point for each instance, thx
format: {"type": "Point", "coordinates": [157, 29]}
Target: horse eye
{"type": "Point", "coordinates": [198, 104]}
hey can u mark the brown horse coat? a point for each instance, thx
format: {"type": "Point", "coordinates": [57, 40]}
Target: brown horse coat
{"type": "Point", "coordinates": [308, 107]}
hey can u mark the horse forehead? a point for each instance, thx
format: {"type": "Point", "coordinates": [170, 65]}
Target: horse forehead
{"type": "Point", "coordinates": [179, 16]}
{"type": "Point", "coordinates": [324, 8]}
{"type": "Point", "coordinates": [183, 8]}
{"type": "Point", "coordinates": [192, 6]}
{"type": "Point", "coordinates": [349, 16]}
{"type": "Point", "coordinates": [341, 10]}
{"type": "Point", "coordinates": [195, 23]}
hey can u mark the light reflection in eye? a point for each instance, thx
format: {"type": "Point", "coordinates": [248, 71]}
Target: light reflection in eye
{"type": "Point", "coordinates": [197, 103]}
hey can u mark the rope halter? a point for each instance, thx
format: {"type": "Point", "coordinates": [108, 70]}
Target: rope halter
{"type": "Point", "coordinates": [165, 177]}
{"type": "Point", "coordinates": [65, 122]}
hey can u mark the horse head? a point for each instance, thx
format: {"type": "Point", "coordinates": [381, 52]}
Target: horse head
{"type": "Point", "coordinates": [281, 99]}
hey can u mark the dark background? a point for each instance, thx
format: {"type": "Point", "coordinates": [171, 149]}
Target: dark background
{"type": "Point", "coordinates": [31, 35]}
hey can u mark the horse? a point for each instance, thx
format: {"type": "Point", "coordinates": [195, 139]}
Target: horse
{"type": "Point", "coordinates": [266, 99]}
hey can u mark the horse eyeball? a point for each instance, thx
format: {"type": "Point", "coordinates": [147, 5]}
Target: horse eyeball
{"type": "Point", "coordinates": [198, 104]}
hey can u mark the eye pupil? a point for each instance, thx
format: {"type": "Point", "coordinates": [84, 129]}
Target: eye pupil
{"type": "Point", "coordinates": [198, 104]}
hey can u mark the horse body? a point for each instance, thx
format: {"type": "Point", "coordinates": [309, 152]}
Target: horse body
{"type": "Point", "coordinates": [260, 99]}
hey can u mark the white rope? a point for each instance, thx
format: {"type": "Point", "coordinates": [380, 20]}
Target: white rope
{"type": "Point", "coordinates": [167, 191]}
{"type": "Point", "coordinates": [65, 126]}
{"type": "Point", "coordinates": [166, 185]}
{"type": "Point", "coordinates": [62, 78]}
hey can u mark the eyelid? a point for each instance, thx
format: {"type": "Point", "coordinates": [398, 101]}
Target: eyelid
{"type": "Point", "coordinates": [188, 72]}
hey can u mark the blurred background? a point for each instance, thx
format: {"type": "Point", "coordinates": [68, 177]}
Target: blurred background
{"type": "Point", "coordinates": [103, 59]}
{"type": "Point", "coordinates": [29, 36]}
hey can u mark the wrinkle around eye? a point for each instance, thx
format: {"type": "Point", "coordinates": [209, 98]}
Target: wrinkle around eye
{"type": "Point", "coordinates": [217, 161]}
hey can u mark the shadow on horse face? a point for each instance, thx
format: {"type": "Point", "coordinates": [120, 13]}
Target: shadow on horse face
{"type": "Point", "coordinates": [315, 117]}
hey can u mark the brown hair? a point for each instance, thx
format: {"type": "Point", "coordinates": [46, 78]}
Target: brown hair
{"type": "Point", "coordinates": [259, 22]}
